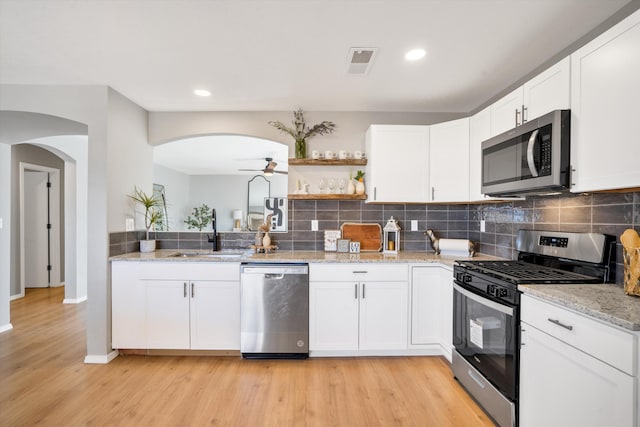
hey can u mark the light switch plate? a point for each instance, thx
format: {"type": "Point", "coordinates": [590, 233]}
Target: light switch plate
{"type": "Point", "coordinates": [129, 224]}
{"type": "Point", "coordinates": [1, 223]}
{"type": "Point", "coordinates": [482, 226]}
{"type": "Point", "coordinates": [314, 225]}
{"type": "Point", "coordinates": [414, 225]}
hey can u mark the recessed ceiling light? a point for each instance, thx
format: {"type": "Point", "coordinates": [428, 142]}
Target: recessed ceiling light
{"type": "Point", "coordinates": [415, 54]}
{"type": "Point", "coordinates": [202, 92]}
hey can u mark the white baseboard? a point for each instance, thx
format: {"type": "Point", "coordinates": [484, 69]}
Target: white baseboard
{"type": "Point", "coordinates": [360, 353]}
{"type": "Point", "coordinates": [74, 300]}
{"type": "Point", "coordinates": [16, 296]}
{"type": "Point", "coordinates": [100, 359]}
{"type": "Point", "coordinates": [5, 328]}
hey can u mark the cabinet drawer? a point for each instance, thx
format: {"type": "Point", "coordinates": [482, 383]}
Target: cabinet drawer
{"type": "Point", "coordinates": [607, 343]}
{"type": "Point", "coordinates": [358, 272]}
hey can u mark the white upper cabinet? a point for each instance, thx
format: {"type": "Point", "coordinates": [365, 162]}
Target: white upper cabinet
{"type": "Point", "coordinates": [479, 130]}
{"type": "Point", "coordinates": [605, 122]}
{"type": "Point", "coordinates": [506, 112]}
{"type": "Point", "coordinates": [449, 161]}
{"type": "Point", "coordinates": [548, 91]}
{"type": "Point", "coordinates": [398, 166]}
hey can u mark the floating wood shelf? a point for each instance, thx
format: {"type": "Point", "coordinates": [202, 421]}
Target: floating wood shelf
{"type": "Point", "coordinates": [327, 196]}
{"type": "Point", "coordinates": [337, 162]}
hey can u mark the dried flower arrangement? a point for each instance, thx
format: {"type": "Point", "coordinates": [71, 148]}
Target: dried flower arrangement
{"type": "Point", "coordinates": [301, 132]}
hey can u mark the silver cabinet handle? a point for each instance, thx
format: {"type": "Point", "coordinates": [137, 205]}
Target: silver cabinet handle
{"type": "Point", "coordinates": [375, 193]}
{"type": "Point", "coordinates": [530, 160]}
{"type": "Point", "coordinates": [572, 171]}
{"type": "Point", "coordinates": [517, 114]}
{"type": "Point", "coordinates": [363, 290]}
{"type": "Point", "coordinates": [524, 110]}
{"type": "Point", "coordinates": [360, 271]}
{"type": "Point", "coordinates": [559, 323]}
{"type": "Point", "coordinates": [433, 193]}
{"type": "Point", "coordinates": [184, 289]}
{"type": "Point", "coordinates": [355, 288]}
{"type": "Point", "coordinates": [193, 289]}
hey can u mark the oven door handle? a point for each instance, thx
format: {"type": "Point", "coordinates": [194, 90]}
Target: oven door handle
{"type": "Point", "coordinates": [484, 301]}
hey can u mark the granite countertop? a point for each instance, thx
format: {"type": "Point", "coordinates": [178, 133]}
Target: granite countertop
{"type": "Point", "coordinates": [296, 256]}
{"type": "Point", "coordinates": [606, 302]}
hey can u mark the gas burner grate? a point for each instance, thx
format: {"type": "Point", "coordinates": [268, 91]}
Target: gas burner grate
{"type": "Point", "coordinates": [523, 272]}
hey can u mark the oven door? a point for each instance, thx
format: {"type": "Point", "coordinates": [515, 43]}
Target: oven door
{"type": "Point", "coordinates": [485, 333]}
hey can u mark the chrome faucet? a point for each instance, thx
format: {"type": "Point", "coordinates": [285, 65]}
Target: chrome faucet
{"type": "Point", "coordinates": [213, 239]}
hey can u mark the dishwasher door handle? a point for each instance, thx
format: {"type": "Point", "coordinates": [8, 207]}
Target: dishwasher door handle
{"type": "Point", "coordinates": [274, 276]}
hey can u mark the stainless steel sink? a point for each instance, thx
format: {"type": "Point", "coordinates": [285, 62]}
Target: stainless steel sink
{"type": "Point", "coordinates": [235, 254]}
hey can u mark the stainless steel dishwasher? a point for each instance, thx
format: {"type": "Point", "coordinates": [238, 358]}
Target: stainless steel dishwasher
{"type": "Point", "coordinates": [274, 310]}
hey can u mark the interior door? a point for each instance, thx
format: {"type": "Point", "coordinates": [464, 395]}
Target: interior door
{"type": "Point", "coordinates": [36, 239]}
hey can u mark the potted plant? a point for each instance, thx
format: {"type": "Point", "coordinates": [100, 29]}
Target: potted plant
{"type": "Point", "coordinates": [301, 132]}
{"type": "Point", "coordinates": [152, 215]}
{"type": "Point", "coordinates": [200, 219]}
{"type": "Point", "coordinates": [359, 182]}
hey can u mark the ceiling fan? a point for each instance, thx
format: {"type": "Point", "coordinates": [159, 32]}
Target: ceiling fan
{"type": "Point", "coordinates": [268, 170]}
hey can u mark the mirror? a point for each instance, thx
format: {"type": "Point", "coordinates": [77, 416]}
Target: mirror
{"type": "Point", "coordinates": [204, 170]}
{"type": "Point", "coordinates": [258, 188]}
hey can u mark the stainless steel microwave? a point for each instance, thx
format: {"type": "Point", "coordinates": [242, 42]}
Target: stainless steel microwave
{"type": "Point", "coordinates": [530, 159]}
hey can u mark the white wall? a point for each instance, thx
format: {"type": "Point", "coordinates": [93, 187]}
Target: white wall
{"type": "Point", "coordinates": [5, 235]}
{"type": "Point", "coordinates": [130, 160]}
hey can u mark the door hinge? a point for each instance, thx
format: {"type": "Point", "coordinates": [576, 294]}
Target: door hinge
{"type": "Point", "coordinates": [48, 185]}
{"type": "Point", "coordinates": [49, 268]}
{"type": "Point", "coordinates": [48, 226]}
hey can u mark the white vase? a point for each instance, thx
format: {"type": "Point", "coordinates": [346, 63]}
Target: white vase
{"type": "Point", "coordinates": [360, 188]}
{"type": "Point", "coordinates": [266, 241]}
{"type": "Point", "coordinates": [351, 188]}
{"type": "Point", "coordinates": [147, 245]}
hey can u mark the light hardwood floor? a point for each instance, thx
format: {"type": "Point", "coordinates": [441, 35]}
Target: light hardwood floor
{"type": "Point", "coordinates": [43, 381]}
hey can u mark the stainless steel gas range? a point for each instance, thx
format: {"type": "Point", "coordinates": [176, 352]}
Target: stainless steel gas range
{"type": "Point", "coordinates": [486, 324]}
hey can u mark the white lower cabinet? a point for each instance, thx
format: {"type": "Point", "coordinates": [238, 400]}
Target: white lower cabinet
{"type": "Point", "coordinates": [358, 307]}
{"type": "Point", "coordinates": [432, 308]}
{"type": "Point", "coordinates": [176, 305]}
{"type": "Point", "coordinates": [561, 383]}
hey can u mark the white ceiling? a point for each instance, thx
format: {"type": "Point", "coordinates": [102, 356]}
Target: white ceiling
{"type": "Point", "coordinates": [266, 55]}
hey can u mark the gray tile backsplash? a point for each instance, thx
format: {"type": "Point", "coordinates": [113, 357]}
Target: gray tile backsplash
{"type": "Point", "coordinates": [609, 213]}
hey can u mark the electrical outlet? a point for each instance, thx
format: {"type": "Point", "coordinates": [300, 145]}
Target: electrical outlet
{"type": "Point", "coordinates": [129, 224]}
{"type": "Point", "coordinates": [1, 223]}
{"type": "Point", "coordinates": [482, 226]}
{"type": "Point", "coordinates": [314, 225]}
{"type": "Point", "coordinates": [414, 225]}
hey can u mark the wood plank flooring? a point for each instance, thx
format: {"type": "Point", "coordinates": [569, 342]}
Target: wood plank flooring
{"type": "Point", "coordinates": [43, 381]}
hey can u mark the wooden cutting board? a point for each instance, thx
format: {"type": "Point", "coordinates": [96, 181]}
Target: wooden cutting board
{"type": "Point", "coordinates": [368, 234]}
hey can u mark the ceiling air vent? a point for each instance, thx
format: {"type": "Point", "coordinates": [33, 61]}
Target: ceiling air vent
{"type": "Point", "coordinates": [360, 59]}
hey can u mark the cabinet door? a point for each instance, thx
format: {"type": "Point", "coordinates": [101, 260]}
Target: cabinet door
{"type": "Point", "coordinates": [425, 305]}
{"type": "Point", "coordinates": [127, 306]}
{"type": "Point", "coordinates": [167, 314]}
{"type": "Point", "coordinates": [333, 315]}
{"type": "Point", "coordinates": [449, 161]}
{"type": "Point", "coordinates": [479, 131]}
{"type": "Point", "coordinates": [398, 165]}
{"type": "Point", "coordinates": [506, 112]}
{"type": "Point", "coordinates": [562, 386]}
{"type": "Point", "coordinates": [215, 315]}
{"type": "Point", "coordinates": [604, 122]}
{"type": "Point", "coordinates": [383, 316]}
{"type": "Point", "coordinates": [548, 91]}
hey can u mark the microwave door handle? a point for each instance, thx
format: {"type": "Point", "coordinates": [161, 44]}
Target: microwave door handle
{"type": "Point", "coordinates": [532, 144]}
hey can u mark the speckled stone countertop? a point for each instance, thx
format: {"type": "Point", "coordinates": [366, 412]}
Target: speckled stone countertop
{"type": "Point", "coordinates": [296, 256]}
{"type": "Point", "coordinates": [606, 302]}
